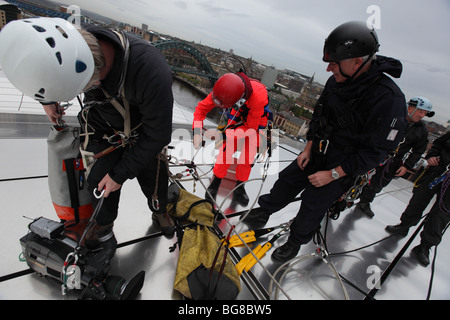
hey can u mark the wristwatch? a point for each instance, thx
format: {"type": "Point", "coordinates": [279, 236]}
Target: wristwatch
{"type": "Point", "coordinates": [334, 174]}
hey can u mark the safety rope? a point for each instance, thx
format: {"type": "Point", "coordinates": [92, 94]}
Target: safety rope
{"type": "Point", "coordinates": [233, 226]}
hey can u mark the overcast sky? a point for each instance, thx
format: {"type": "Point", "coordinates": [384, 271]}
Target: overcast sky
{"type": "Point", "coordinates": [290, 33]}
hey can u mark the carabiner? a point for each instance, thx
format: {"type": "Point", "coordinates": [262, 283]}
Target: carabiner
{"type": "Point", "coordinates": [323, 149]}
{"type": "Point", "coordinates": [118, 138]}
{"type": "Point", "coordinates": [101, 193]}
{"type": "Point", "coordinates": [155, 203]}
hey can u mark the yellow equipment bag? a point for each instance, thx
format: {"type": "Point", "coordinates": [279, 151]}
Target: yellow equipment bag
{"type": "Point", "coordinates": [186, 206]}
{"type": "Point", "coordinates": [204, 270]}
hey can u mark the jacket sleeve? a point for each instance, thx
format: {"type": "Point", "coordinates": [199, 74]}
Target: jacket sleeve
{"type": "Point", "coordinates": [438, 146]}
{"type": "Point", "coordinates": [384, 129]}
{"type": "Point", "coordinates": [201, 110]}
{"type": "Point", "coordinates": [149, 90]}
{"type": "Point", "coordinates": [418, 148]}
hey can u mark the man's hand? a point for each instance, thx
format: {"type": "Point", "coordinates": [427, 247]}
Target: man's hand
{"type": "Point", "coordinates": [52, 112]}
{"type": "Point", "coordinates": [320, 178]}
{"type": "Point", "coordinates": [433, 161]}
{"type": "Point", "coordinates": [401, 171]}
{"type": "Point", "coordinates": [109, 185]}
{"type": "Point", "coordinates": [197, 142]}
{"type": "Point", "coordinates": [303, 158]}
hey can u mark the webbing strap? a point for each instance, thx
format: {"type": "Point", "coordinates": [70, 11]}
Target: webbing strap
{"type": "Point", "coordinates": [123, 110]}
{"type": "Point", "coordinates": [73, 187]}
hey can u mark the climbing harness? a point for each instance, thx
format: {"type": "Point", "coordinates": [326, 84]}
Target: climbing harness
{"type": "Point", "coordinates": [445, 175]}
{"type": "Point", "coordinates": [348, 198]}
{"type": "Point", "coordinates": [445, 179]}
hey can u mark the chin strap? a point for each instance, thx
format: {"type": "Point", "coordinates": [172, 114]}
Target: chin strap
{"type": "Point", "coordinates": [350, 78]}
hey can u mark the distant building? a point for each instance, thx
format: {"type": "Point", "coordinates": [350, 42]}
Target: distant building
{"type": "Point", "coordinates": [290, 124]}
{"type": "Point", "coordinates": [8, 12]}
{"type": "Point", "coordinates": [269, 77]}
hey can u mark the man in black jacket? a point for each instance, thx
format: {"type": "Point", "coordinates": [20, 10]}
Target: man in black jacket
{"type": "Point", "coordinates": [147, 86]}
{"type": "Point", "coordinates": [434, 181]}
{"type": "Point", "coordinates": [128, 104]}
{"type": "Point", "coordinates": [359, 117]}
{"type": "Point", "coordinates": [415, 143]}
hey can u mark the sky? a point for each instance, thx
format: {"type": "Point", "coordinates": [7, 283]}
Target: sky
{"type": "Point", "coordinates": [289, 34]}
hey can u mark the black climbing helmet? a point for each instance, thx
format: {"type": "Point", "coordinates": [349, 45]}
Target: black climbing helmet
{"type": "Point", "coordinates": [350, 40]}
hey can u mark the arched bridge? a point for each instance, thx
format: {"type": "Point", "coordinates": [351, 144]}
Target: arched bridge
{"type": "Point", "coordinates": [206, 69]}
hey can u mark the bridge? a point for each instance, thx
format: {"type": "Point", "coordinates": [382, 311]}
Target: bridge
{"type": "Point", "coordinates": [40, 11]}
{"type": "Point", "coordinates": [181, 56]}
{"type": "Point", "coordinates": [180, 63]}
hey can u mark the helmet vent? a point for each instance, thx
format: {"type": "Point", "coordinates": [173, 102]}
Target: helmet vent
{"type": "Point", "coordinates": [80, 66]}
{"type": "Point", "coordinates": [64, 34]}
{"type": "Point", "coordinates": [40, 94]}
{"type": "Point", "coordinates": [51, 42]}
{"type": "Point", "coordinates": [58, 56]}
{"type": "Point", "coordinates": [38, 28]}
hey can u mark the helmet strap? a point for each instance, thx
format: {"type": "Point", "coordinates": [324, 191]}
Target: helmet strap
{"type": "Point", "coordinates": [351, 78]}
{"type": "Point", "coordinates": [411, 115]}
{"type": "Point", "coordinates": [248, 87]}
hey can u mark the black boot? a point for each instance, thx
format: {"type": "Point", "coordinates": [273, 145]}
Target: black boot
{"type": "Point", "coordinates": [400, 229]}
{"type": "Point", "coordinates": [102, 237]}
{"type": "Point", "coordinates": [257, 217]}
{"type": "Point", "coordinates": [213, 188]}
{"type": "Point", "coordinates": [165, 222]}
{"type": "Point", "coordinates": [287, 251]}
{"type": "Point", "coordinates": [422, 253]}
{"type": "Point", "coordinates": [97, 235]}
{"type": "Point", "coordinates": [364, 208]}
{"type": "Point", "coordinates": [240, 195]}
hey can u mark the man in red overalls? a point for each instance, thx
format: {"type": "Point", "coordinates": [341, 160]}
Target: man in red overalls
{"type": "Point", "coordinates": [247, 98]}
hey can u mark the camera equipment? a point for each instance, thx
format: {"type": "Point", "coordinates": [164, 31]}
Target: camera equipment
{"type": "Point", "coordinates": [51, 252]}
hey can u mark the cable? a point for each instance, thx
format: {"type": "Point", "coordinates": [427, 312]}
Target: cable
{"type": "Point", "coordinates": [433, 265]}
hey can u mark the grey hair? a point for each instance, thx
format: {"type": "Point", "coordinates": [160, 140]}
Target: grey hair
{"type": "Point", "coordinates": [97, 53]}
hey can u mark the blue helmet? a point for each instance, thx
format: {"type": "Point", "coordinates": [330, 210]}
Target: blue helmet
{"type": "Point", "coordinates": [423, 104]}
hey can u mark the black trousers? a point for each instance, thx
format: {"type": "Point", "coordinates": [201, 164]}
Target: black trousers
{"type": "Point", "coordinates": [437, 219]}
{"type": "Point", "coordinates": [314, 201]}
{"type": "Point", "coordinates": [147, 181]}
{"type": "Point", "coordinates": [382, 177]}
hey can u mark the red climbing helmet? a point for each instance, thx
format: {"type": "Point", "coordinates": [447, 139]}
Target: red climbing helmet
{"type": "Point", "coordinates": [229, 90]}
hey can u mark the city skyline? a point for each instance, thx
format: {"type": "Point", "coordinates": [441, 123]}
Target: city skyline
{"type": "Point", "coordinates": [290, 34]}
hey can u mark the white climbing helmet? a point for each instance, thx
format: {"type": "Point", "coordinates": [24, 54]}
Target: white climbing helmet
{"type": "Point", "coordinates": [45, 58]}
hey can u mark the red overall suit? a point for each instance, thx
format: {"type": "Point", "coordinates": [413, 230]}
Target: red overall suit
{"type": "Point", "coordinates": [242, 127]}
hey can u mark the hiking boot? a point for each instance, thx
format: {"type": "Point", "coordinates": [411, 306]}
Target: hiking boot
{"type": "Point", "coordinates": [258, 216]}
{"type": "Point", "coordinates": [240, 195]}
{"type": "Point", "coordinates": [98, 234]}
{"type": "Point", "coordinates": [165, 222]}
{"type": "Point", "coordinates": [364, 208]}
{"type": "Point", "coordinates": [399, 229]}
{"type": "Point", "coordinates": [422, 253]}
{"type": "Point", "coordinates": [287, 251]}
{"type": "Point", "coordinates": [213, 188]}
